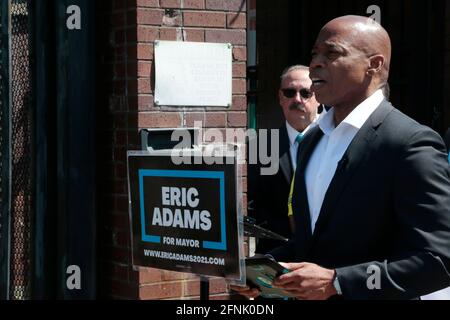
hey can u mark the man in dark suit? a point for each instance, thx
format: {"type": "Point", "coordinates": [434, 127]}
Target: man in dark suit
{"type": "Point", "coordinates": [372, 218]}
{"type": "Point", "coordinates": [268, 194]}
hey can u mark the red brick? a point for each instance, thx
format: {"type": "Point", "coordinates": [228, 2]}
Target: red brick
{"type": "Point", "coordinates": [172, 276]}
{"type": "Point", "coordinates": [160, 291]}
{"type": "Point", "coordinates": [194, 4]}
{"type": "Point", "coordinates": [170, 3]}
{"type": "Point", "coordinates": [237, 119]}
{"type": "Point", "coordinates": [236, 20]}
{"type": "Point", "coordinates": [195, 35]}
{"type": "Point", "coordinates": [141, 102]}
{"type": "Point", "coordinates": [147, 34]}
{"type": "Point", "coordinates": [244, 170]}
{"type": "Point", "coordinates": [216, 286]}
{"type": "Point", "coordinates": [145, 102]}
{"type": "Point", "coordinates": [144, 51]}
{"type": "Point", "coordinates": [191, 288]}
{"type": "Point", "coordinates": [149, 275]}
{"type": "Point", "coordinates": [168, 34]}
{"type": "Point", "coordinates": [239, 86]}
{"type": "Point", "coordinates": [235, 37]}
{"type": "Point", "coordinates": [244, 203]}
{"type": "Point", "coordinates": [149, 16]}
{"type": "Point", "coordinates": [204, 19]}
{"type": "Point", "coordinates": [239, 103]}
{"type": "Point", "coordinates": [144, 86]}
{"type": "Point", "coordinates": [159, 120]}
{"type": "Point", "coordinates": [240, 53]}
{"type": "Point", "coordinates": [239, 70]}
{"type": "Point", "coordinates": [226, 5]}
{"type": "Point", "coordinates": [144, 69]}
{"type": "Point", "coordinates": [147, 3]}
{"type": "Point", "coordinates": [212, 119]}
{"type": "Point", "coordinates": [244, 184]}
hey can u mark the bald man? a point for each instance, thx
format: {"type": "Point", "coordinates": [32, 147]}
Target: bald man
{"type": "Point", "coordinates": [372, 190]}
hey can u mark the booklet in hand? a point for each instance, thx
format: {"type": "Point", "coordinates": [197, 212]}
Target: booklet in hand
{"type": "Point", "coordinates": [261, 271]}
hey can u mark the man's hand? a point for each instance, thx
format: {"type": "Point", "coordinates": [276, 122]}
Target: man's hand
{"type": "Point", "coordinates": [307, 281]}
{"type": "Point", "coordinates": [246, 291]}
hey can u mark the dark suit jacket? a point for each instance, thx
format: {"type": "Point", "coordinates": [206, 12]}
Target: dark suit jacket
{"type": "Point", "coordinates": [268, 195]}
{"type": "Point", "coordinates": [388, 205]}
{"type": "Point", "coordinates": [447, 139]}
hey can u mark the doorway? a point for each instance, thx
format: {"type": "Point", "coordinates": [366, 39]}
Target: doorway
{"type": "Point", "coordinates": [286, 33]}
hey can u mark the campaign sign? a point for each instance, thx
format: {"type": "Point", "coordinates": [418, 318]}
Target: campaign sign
{"type": "Point", "coordinates": [184, 217]}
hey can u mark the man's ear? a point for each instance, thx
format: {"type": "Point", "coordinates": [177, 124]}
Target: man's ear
{"type": "Point", "coordinates": [376, 64]}
{"type": "Point", "coordinates": [280, 95]}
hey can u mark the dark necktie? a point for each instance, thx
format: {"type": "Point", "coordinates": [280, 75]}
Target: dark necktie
{"type": "Point", "coordinates": [298, 139]}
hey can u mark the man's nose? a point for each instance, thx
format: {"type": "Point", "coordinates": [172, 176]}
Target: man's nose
{"type": "Point", "coordinates": [316, 62]}
{"type": "Point", "coordinates": [298, 97]}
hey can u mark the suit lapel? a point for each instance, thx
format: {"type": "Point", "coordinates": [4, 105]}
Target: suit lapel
{"type": "Point", "coordinates": [285, 157]}
{"type": "Point", "coordinates": [300, 202]}
{"type": "Point", "coordinates": [355, 154]}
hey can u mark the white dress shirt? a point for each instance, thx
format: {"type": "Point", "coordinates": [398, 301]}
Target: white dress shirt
{"type": "Point", "coordinates": [292, 134]}
{"type": "Point", "coordinates": [330, 149]}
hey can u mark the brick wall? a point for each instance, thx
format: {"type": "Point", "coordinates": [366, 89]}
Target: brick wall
{"type": "Point", "coordinates": [127, 31]}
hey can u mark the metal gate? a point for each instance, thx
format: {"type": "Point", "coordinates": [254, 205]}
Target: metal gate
{"type": "Point", "coordinates": [47, 150]}
{"type": "Point", "coordinates": [4, 151]}
{"type": "Point", "coordinates": [16, 145]}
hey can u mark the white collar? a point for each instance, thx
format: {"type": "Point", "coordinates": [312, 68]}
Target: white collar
{"type": "Point", "coordinates": [293, 133]}
{"type": "Point", "coordinates": [357, 117]}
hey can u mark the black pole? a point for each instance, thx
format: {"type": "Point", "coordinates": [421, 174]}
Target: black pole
{"type": "Point", "coordinates": [75, 109]}
{"type": "Point", "coordinates": [204, 288]}
{"type": "Point", "coordinates": [44, 226]}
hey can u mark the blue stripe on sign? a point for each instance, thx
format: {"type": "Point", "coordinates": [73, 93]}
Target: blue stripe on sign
{"type": "Point", "coordinates": [222, 245]}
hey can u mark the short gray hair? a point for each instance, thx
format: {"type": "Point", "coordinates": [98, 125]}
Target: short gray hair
{"type": "Point", "coordinates": [290, 69]}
